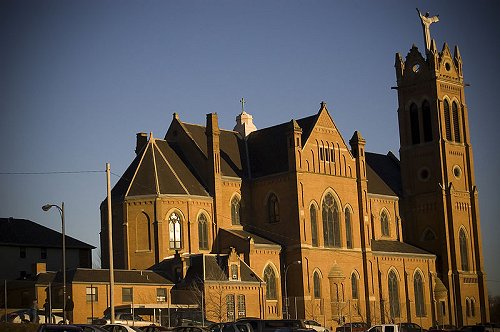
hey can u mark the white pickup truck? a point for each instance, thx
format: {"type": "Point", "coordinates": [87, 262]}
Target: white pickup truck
{"type": "Point", "coordinates": [123, 318]}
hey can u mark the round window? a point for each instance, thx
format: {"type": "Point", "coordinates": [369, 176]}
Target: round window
{"type": "Point", "coordinates": [447, 66]}
{"type": "Point", "coordinates": [457, 171]}
{"type": "Point", "coordinates": [416, 68]}
{"type": "Point", "coordinates": [424, 174]}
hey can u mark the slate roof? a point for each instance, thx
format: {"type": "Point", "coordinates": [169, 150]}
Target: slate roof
{"type": "Point", "coordinates": [23, 232]}
{"type": "Point", "coordinates": [232, 148]}
{"type": "Point", "coordinates": [256, 238]}
{"type": "Point", "coordinates": [121, 276]}
{"type": "Point", "coordinates": [383, 174]}
{"type": "Point", "coordinates": [387, 246]}
{"type": "Point", "coordinates": [214, 268]}
{"type": "Point", "coordinates": [156, 170]}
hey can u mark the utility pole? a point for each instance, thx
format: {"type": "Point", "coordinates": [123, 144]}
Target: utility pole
{"type": "Point", "coordinates": [110, 245]}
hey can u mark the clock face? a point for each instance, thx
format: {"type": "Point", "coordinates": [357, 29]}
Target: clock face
{"type": "Point", "coordinates": [416, 68]}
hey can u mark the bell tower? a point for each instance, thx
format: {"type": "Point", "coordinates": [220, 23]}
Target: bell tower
{"type": "Point", "coordinates": [440, 200]}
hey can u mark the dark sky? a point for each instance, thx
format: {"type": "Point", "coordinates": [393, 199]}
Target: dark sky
{"type": "Point", "coordinates": [78, 80]}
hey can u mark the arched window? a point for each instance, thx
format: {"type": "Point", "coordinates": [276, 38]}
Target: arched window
{"type": "Point", "coordinates": [175, 231]}
{"type": "Point", "coordinates": [354, 286]}
{"type": "Point", "coordinates": [473, 307]}
{"type": "Point", "coordinates": [202, 232]}
{"type": "Point", "coordinates": [467, 307]}
{"type": "Point", "coordinates": [273, 209]}
{"type": "Point", "coordinates": [426, 117]}
{"type": "Point", "coordinates": [270, 279]}
{"type": "Point", "coordinates": [415, 127]}
{"type": "Point", "coordinates": [348, 228]}
{"type": "Point", "coordinates": [447, 119]}
{"type": "Point", "coordinates": [235, 211]}
{"type": "Point", "coordinates": [384, 222]}
{"type": "Point", "coordinates": [456, 122]}
{"type": "Point", "coordinates": [464, 252]}
{"type": "Point", "coordinates": [393, 295]}
{"type": "Point", "coordinates": [143, 232]}
{"type": "Point", "coordinates": [314, 226]}
{"type": "Point", "coordinates": [317, 285]}
{"type": "Point", "coordinates": [331, 225]}
{"type": "Point", "coordinates": [418, 289]}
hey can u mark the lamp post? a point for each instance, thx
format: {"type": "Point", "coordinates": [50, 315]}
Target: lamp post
{"type": "Point", "coordinates": [286, 295]}
{"type": "Point", "coordinates": [47, 207]}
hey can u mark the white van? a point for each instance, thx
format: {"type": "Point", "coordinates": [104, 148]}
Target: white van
{"type": "Point", "coordinates": [403, 327]}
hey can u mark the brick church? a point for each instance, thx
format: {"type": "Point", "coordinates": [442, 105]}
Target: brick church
{"type": "Point", "coordinates": [296, 221]}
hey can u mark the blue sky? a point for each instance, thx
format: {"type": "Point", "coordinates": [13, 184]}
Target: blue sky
{"type": "Point", "coordinates": [78, 80]}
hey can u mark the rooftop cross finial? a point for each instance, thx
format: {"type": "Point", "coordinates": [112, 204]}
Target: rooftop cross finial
{"type": "Point", "coordinates": [426, 23]}
{"type": "Point", "coordinates": [242, 101]}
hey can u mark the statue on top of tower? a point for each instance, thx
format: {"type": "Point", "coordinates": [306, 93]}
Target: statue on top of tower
{"type": "Point", "coordinates": [427, 20]}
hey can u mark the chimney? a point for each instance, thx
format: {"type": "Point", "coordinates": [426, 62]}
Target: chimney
{"type": "Point", "coordinates": [142, 140]}
{"type": "Point", "coordinates": [39, 268]}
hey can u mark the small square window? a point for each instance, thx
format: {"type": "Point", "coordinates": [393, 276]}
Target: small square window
{"type": "Point", "coordinates": [43, 253]}
{"type": "Point", "coordinates": [22, 252]}
{"type": "Point", "coordinates": [161, 295]}
{"type": "Point", "coordinates": [91, 294]}
{"type": "Point", "coordinates": [127, 295]}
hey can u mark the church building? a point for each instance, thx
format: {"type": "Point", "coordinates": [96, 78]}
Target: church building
{"type": "Point", "coordinates": [296, 221]}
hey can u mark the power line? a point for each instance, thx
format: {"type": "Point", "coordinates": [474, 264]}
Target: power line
{"type": "Point", "coordinates": [50, 172]}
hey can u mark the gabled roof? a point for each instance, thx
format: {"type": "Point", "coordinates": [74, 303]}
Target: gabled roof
{"type": "Point", "coordinates": [383, 174]}
{"type": "Point", "coordinates": [157, 170]}
{"type": "Point", "coordinates": [396, 247]}
{"type": "Point", "coordinates": [23, 232]}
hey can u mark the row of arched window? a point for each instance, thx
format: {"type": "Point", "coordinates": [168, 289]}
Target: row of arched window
{"type": "Point", "coordinates": [470, 307]}
{"type": "Point", "coordinates": [422, 116]}
{"type": "Point", "coordinates": [175, 231]}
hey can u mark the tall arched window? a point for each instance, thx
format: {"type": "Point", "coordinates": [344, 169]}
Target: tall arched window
{"type": "Point", "coordinates": [393, 295]}
{"type": "Point", "coordinates": [473, 307]}
{"type": "Point", "coordinates": [415, 127]}
{"type": "Point", "coordinates": [202, 232]}
{"type": "Point", "coordinates": [235, 211]}
{"type": "Point", "coordinates": [316, 285]}
{"type": "Point", "coordinates": [418, 289]}
{"type": "Point", "coordinates": [464, 252]}
{"type": "Point", "coordinates": [270, 279]}
{"type": "Point", "coordinates": [426, 118]}
{"type": "Point", "coordinates": [467, 307]}
{"type": "Point", "coordinates": [447, 119]}
{"type": "Point", "coordinates": [354, 286]}
{"type": "Point", "coordinates": [456, 122]}
{"type": "Point", "coordinates": [384, 222]}
{"type": "Point", "coordinates": [331, 224]}
{"type": "Point", "coordinates": [143, 232]}
{"type": "Point", "coordinates": [175, 230]}
{"type": "Point", "coordinates": [348, 228]}
{"type": "Point", "coordinates": [273, 209]}
{"type": "Point", "coordinates": [314, 226]}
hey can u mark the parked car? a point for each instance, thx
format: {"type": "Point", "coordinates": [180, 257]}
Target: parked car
{"type": "Point", "coordinates": [155, 328]}
{"type": "Point", "coordinates": [58, 328]}
{"type": "Point", "coordinates": [231, 327]}
{"type": "Point", "coordinates": [120, 328]}
{"type": "Point", "coordinates": [488, 327]}
{"type": "Point", "coordinates": [90, 328]}
{"type": "Point", "coordinates": [401, 327]}
{"type": "Point", "coordinates": [273, 325]}
{"type": "Point", "coordinates": [123, 318]}
{"type": "Point", "coordinates": [312, 324]}
{"type": "Point", "coordinates": [190, 329]}
{"type": "Point", "coordinates": [443, 328]}
{"type": "Point", "coordinates": [23, 316]}
{"type": "Point", "coordinates": [353, 326]}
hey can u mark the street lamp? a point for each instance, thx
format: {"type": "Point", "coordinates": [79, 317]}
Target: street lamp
{"type": "Point", "coordinates": [286, 295]}
{"type": "Point", "coordinates": [47, 207]}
